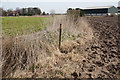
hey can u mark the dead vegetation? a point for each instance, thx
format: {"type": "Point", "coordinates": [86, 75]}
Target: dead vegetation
{"type": "Point", "coordinates": [90, 49]}
{"type": "Point", "coordinates": [37, 54]}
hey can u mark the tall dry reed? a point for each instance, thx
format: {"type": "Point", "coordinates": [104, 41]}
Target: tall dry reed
{"type": "Point", "coordinates": [37, 54]}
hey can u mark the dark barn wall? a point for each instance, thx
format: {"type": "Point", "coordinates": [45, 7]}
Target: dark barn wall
{"type": "Point", "coordinates": [118, 9]}
{"type": "Point", "coordinates": [96, 11]}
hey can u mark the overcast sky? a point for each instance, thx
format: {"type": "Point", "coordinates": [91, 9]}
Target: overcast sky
{"type": "Point", "coordinates": [60, 6]}
{"type": "Point", "coordinates": [60, 0]}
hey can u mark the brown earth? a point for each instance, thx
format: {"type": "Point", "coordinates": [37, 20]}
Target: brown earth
{"type": "Point", "coordinates": [103, 59]}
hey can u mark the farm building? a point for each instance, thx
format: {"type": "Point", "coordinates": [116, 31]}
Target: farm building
{"type": "Point", "coordinates": [13, 13]}
{"type": "Point", "coordinates": [119, 10]}
{"type": "Point", "coordinates": [104, 10]}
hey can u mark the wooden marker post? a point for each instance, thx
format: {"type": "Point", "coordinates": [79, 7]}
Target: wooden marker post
{"type": "Point", "coordinates": [60, 36]}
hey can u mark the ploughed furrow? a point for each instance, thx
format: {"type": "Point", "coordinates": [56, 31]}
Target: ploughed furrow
{"type": "Point", "coordinates": [103, 59]}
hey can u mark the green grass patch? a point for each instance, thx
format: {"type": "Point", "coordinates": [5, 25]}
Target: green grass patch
{"type": "Point", "coordinates": [21, 25]}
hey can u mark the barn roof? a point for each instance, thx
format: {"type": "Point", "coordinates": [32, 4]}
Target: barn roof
{"type": "Point", "coordinates": [118, 7]}
{"type": "Point", "coordinates": [13, 12]}
{"type": "Point", "coordinates": [98, 7]}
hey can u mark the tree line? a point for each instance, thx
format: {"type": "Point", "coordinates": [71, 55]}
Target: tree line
{"type": "Point", "coordinates": [78, 11]}
{"type": "Point", "coordinates": [22, 12]}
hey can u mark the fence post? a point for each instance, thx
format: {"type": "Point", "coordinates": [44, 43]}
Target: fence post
{"type": "Point", "coordinates": [60, 36]}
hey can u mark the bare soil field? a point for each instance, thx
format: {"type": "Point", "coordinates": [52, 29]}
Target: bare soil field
{"type": "Point", "coordinates": [104, 51]}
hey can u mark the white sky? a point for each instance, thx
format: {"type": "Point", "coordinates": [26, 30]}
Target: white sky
{"type": "Point", "coordinates": [60, 0]}
{"type": "Point", "coordinates": [60, 6]}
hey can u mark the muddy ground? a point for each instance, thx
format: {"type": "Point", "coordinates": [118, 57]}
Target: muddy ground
{"type": "Point", "coordinates": [103, 59]}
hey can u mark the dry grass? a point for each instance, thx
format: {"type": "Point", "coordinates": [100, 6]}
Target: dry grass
{"type": "Point", "coordinates": [37, 54]}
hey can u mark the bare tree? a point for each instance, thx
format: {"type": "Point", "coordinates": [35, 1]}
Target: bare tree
{"type": "Point", "coordinates": [9, 10]}
{"type": "Point", "coordinates": [37, 11]}
{"type": "Point", "coordinates": [52, 12]}
{"type": "Point", "coordinates": [24, 11]}
{"type": "Point", "coordinates": [1, 11]}
{"type": "Point", "coordinates": [17, 9]}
